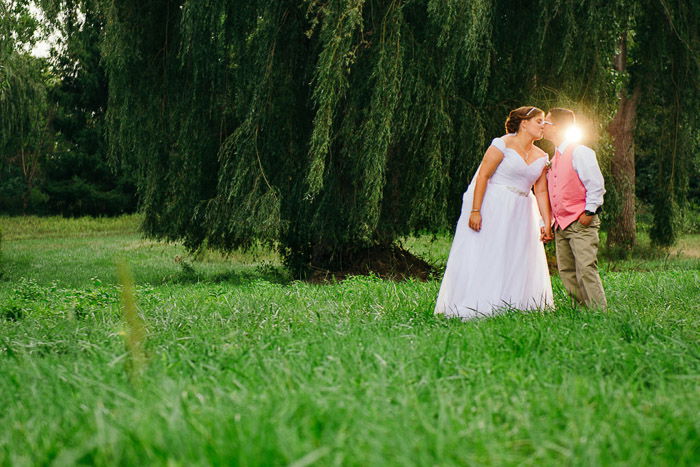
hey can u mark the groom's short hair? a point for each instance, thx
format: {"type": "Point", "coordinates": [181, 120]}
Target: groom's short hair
{"type": "Point", "coordinates": [562, 117]}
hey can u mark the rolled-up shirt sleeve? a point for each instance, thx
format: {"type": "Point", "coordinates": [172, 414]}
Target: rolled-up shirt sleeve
{"type": "Point", "coordinates": [586, 166]}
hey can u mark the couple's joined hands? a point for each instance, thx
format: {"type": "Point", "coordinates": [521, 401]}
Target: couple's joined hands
{"type": "Point", "coordinates": [546, 234]}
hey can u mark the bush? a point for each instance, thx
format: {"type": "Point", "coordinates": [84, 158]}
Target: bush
{"type": "Point", "coordinates": [690, 220]}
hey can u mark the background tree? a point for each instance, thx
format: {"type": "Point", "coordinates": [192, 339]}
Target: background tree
{"type": "Point", "coordinates": [332, 128]}
{"type": "Point", "coordinates": [24, 136]}
{"type": "Point", "coordinates": [78, 177]}
{"type": "Point", "coordinates": [54, 156]}
{"type": "Point", "coordinates": [669, 65]}
{"type": "Point", "coordinates": [659, 56]}
{"type": "Point", "coordinates": [623, 231]}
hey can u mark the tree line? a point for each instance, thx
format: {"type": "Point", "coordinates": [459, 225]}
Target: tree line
{"type": "Point", "coordinates": [329, 128]}
{"type": "Point", "coordinates": [53, 155]}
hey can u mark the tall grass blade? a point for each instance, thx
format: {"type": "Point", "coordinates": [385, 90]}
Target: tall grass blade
{"type": "Point", "coordinates": [135, 328]}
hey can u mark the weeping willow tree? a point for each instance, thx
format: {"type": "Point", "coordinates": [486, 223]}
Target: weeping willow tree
{"type": "Point", "coordinates": [659, 58]}
{"type": "Point", "coordinates": [23, 120]}
{"type": "Point", "coordinates": [670, 49]}
{"type": "Point", "coordinates": [331, 128]}
{"type": "Point", "coordinates": [23, 103]}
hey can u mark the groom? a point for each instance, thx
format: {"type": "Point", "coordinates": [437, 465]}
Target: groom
{"type": "Point", "coordinates": [576, 189]}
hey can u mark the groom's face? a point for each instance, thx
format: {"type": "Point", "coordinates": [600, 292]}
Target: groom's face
{"type": "Point", "coordinates": [549, 127]}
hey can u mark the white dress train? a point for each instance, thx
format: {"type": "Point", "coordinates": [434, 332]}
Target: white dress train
{"type": "Point", "coordinates": [503, 266]}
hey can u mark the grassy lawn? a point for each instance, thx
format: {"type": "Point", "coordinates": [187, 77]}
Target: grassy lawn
{"type": "Point", "coordinates": [247, 367]}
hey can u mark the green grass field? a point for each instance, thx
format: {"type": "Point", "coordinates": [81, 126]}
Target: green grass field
{"type": "Point", "coordinates": [247, 367]}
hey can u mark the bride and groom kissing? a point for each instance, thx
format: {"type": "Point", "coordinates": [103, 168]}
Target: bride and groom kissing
{"type": "Point", "coordinates": [517, 200]}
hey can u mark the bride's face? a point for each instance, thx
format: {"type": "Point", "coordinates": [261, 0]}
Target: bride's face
{"type": "Point", "coordinates": [534, 127]}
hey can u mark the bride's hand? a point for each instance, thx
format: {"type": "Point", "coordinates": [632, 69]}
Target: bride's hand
{"type": "Point", "coordinates": [475, 221]}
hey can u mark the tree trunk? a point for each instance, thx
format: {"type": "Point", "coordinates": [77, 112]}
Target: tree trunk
{"type": "Point", "coordinates": [30, 169]}
{"type": "Point", "coordinates": [623, 230]}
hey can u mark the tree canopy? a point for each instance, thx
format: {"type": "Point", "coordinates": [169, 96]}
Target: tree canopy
{"type": "Point", "coordinates": [327, 127]}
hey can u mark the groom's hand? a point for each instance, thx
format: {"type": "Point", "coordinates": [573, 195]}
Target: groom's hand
{"type": "Point", "coordinates": [585, 219]}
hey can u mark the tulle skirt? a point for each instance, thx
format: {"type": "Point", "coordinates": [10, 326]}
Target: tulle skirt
{"type": "Point", "coordinates": [503, 266]}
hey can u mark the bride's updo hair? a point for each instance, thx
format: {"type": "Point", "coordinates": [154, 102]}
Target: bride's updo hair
{"type": "Point", "coordinates": [515, 117]}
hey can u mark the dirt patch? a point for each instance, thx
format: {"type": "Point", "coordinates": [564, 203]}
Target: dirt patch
{"type": "Point", "coordinates": [388, 262]}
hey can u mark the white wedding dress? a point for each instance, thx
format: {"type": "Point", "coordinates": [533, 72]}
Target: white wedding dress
{"type": "Point", "coordinates": [503, 266]}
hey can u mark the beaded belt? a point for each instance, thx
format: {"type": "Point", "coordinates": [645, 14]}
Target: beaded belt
{"type": "Point", "coordinates": [515, 190]}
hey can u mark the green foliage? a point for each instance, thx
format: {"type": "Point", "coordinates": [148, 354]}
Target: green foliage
{"type": "Point", "coordinates": [324, 127]}
{"type": "Point", "coordinates": [77, 177]}
{"type": "Point", "coordinates": [19, 29]}
{"type": "Point", "coordinates": [52, 151]}
{"type": "Point", "coordinates": [24, 137]}
{"type": "Point", "coordinates": [339, 32]}
{"type": "Point", "coordinates": [669, 124]}
{"type": "Point", "coordinates": [162, 126]}
{"type": "Point", "coordinates": [23, 105]}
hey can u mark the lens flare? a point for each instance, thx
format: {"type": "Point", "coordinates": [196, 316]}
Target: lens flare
{"type": "Point", "coordinates": [574, 133]}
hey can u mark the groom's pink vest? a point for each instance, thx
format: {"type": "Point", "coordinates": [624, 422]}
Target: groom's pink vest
{"type": "Point", "coordinates": [567, 195]}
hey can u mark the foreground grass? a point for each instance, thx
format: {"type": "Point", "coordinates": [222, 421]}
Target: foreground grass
{"type": "Point", "coordinates": [247, 367]}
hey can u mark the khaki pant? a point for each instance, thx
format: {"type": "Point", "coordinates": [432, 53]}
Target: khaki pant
{"type": "Point", "coordinates": [577, 259]}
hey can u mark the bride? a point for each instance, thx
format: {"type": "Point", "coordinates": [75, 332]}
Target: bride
{"type": "Point", "coordinates": [497, 259]}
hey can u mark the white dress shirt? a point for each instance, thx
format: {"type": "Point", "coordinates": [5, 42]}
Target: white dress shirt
{"type": "Point", "coordinates": [586, 166]}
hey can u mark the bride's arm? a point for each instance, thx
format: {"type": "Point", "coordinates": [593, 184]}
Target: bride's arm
{"type": "Point", "coordinates": [542, 196]}
{"type": "Point", "coordinates": [492, 158]}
